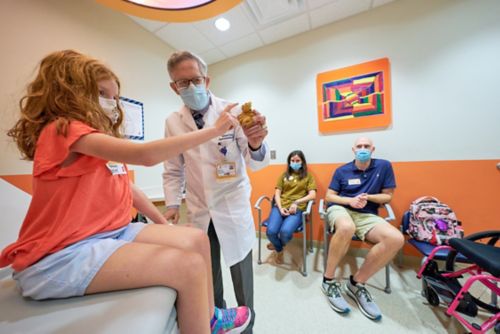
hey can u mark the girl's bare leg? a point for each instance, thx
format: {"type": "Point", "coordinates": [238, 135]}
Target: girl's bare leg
{"type": "Point", "coordinates": [136, 265]}
{"type": "Point", "coordinates": [185, 238]}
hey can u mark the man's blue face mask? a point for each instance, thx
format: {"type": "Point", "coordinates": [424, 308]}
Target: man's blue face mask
{"type": "Point", "coordinates": [195, 97]}
{"type": "Point", "coordinates": [363, 154]}
{"type": "Point", "coordinates": [295, 165]}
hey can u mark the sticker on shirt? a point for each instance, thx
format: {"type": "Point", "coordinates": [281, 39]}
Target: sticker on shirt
{"type": "Point", "coordinates": [353, 182]}
{"type": "Point", "coordinates": [116, 168]}
{"type": "Point", "coordinates": [225, 170]}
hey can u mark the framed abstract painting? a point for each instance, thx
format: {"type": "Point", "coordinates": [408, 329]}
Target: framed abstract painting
{"type": "Point", "coordinates": [355, 97]}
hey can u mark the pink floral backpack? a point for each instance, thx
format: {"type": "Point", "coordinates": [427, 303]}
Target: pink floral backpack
{"type": "Point", "coordinates": [433, 221]}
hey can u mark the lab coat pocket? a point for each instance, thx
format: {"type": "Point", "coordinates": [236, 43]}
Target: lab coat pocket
{"type": "Point", "coordinates": [238, 203]}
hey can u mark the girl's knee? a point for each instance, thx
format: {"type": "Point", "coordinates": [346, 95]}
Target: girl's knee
{"type": "Point", "coordinates": [197, 241]}
{"type": "Point", "coordinates": [191, 265]}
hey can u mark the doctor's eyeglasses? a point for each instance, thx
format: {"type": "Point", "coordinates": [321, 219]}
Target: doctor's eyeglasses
{"type": "Point", "coordinates": [184, 83]}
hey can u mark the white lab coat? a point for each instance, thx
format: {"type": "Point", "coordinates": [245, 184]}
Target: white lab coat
{"type": "Point", "coordinates": [227, 203]}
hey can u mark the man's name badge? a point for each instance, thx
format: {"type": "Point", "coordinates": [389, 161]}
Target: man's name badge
{"type": "Point", "coordinates": [353, 182]}
{"type": "Point", "coordinates": [116, 168]}
{"type": "Point", "coordinates": [225, 170]}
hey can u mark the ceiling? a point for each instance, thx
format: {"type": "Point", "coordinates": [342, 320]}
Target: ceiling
{"type": "Point", "coordinates": [254, 23]}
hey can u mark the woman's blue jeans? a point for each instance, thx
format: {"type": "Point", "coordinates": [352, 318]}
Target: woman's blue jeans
{"type": "Point", "coordinates": [280, 228]}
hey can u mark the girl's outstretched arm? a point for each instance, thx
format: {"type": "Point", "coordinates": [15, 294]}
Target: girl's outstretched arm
{"type": "Point", "coordinates": [151, 153]}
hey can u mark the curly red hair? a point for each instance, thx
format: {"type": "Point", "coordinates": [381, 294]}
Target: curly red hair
{"type": "Point", "coordinates": [65, 89]}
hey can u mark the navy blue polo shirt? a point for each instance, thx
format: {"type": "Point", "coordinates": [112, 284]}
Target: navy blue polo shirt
{"type": "Point", "coordinates": [349, 181]}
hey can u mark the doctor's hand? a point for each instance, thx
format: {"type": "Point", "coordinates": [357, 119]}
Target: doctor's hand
{"type": "Point", "coordinates": [226, 120]}
{"type": "Point", "coordinates": [256, 133]}
{"type": "Point", "coordinates": [172, 214]}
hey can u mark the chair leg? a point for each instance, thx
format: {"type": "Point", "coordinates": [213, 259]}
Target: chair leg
{"type": "Point", "coordinates": [400, 257]}
{"type": "Point", "coordinates": [325, 249]}
{"type": "Point", "coordinates": [387, 279]}
{"type": "Point", "coordinates": [311, 236]}
{"type": "Point", "coordinates": [304, 251]}
{"type": "Point", "coordinates": [259, 261]}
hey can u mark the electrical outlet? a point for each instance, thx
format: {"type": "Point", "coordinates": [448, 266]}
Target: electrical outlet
{"type": "Point", "coordinates": [273, 154]}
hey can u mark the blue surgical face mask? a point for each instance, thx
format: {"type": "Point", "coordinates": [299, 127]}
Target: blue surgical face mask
{"type": "Point", "coordinates": [363, 154]}
{"type": "Point", "coordinates": [295, 165]}
{"type": "Point", "coordinates": [195, 97]}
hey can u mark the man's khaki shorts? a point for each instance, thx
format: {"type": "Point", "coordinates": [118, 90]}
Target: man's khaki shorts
{"type": "Point", "coordinates": [364, 222]}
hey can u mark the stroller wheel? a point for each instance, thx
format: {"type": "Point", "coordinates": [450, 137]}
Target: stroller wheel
{"type": "Point", "coordinates": [432, 296]}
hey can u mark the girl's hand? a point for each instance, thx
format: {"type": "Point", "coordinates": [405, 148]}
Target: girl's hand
{"type": "Point", "coordinates": [293, 208]}
{"type": "Point", "coordinates": [226, 121]}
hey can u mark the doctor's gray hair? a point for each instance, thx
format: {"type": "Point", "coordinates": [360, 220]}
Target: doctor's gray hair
{"type": "Point", "coordinates": [179, 56]}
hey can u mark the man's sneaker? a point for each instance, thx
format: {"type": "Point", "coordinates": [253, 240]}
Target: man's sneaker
{"type": "Point", "coordinates": [364, 300]}
{"type": "Point", "coordinates": [231, 320]}
{"type": "Point", "coordinates": [333, 292]}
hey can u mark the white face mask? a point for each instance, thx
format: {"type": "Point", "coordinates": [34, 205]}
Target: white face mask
{"type": "Point", "coordinates": [110, 107]}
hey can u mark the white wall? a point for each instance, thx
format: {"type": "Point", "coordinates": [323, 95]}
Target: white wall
{"type": "Point", "coordinates": [30, 29]}
{"type": "Point", "coordinates": [445, 63]}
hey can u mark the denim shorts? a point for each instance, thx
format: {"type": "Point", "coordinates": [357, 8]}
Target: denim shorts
{"type": "Point", "coordinates": [68, 272]}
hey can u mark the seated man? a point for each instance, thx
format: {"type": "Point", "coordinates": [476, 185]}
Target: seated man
{"type": "Point", "coordinates": [356, 191]}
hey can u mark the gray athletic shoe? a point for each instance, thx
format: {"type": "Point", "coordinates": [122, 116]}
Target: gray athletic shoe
{"type": "Point", "coordinates": [333, 292]}
{"type": "Point", "coordinates": [364, 300]}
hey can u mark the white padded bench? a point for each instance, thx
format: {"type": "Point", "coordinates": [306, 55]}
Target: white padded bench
{"type": "Point", "coordinates": [148, 310]}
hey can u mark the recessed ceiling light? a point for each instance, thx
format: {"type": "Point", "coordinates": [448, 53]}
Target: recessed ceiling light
{"type": "Point", "coordinates": [222, 24]}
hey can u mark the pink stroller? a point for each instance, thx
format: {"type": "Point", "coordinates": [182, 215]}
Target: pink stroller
{"type": "Point", "coordinates": [444, 285]}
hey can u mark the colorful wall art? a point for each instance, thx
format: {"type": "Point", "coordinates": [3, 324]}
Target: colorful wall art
{"type": "Point", "coordinates": [355, 97]}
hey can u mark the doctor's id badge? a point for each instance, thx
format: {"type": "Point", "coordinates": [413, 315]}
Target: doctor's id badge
{"type": "Point", "coordinates": [116, 168]}
{"type": "Point", "coordinates": [225, 170]}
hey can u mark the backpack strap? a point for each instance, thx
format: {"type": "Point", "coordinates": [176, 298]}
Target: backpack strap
{"type": "Point", "coordinates": [426, 199]}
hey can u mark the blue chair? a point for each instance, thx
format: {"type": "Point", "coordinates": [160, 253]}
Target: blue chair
{"type": "Point", "coordinates": [328, 233]}
{"type": "Point", "coordinates": [307, 245]}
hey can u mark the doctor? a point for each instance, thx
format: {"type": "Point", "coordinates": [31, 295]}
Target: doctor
{"type": "Point", "coordinates": [214, 175]}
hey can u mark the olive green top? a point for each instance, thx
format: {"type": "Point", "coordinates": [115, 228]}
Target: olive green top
{"type": "Point", "coordinates": [294, 188]}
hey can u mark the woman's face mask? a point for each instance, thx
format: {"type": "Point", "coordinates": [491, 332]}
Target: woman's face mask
{"type": "Point", "coordinates": [195, 97]}
{"type": "Point", "coordinates": [295, 165]}
{"type": "Point", "coordinates": [363, 154]}
{"type": "Point", "coordinates": [110, 107]}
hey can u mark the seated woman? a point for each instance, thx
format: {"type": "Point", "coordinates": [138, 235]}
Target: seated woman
{"type": "Point", "coordinates": [294, 189]}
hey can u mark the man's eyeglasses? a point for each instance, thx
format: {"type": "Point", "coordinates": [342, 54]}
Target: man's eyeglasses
{"type": "Point", "coordinates": [184, 83]}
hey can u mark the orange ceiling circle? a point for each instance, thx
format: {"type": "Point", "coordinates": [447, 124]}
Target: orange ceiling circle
{"type": "Point", "coordinates": [172, 11]}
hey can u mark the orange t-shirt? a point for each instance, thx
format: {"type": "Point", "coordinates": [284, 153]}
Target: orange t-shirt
{"type": "Point", "coordinates": [69, 203]}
